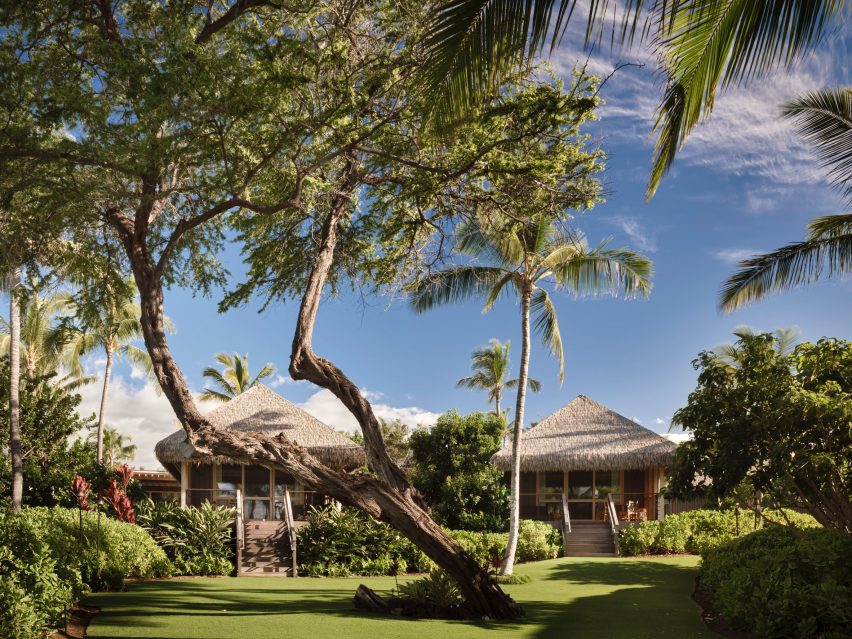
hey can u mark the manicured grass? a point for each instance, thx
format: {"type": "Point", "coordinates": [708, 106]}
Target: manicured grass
{"type": "Point", "coordinates": [588, 598]}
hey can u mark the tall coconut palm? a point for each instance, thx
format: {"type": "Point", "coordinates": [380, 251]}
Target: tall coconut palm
{"type": "Point", "coordinates": [701, 45]}
{"type": "Point", "coordinates": [117, 447]}
{"type": "Point", "coordinates": [523, 258]}
{"type": "Point", "coordinates": [490, 366]}
{"type": "Point", "coordinates": [109, 326]}
{"type": "Point", "coordinates": [43, 338]}
{"type": "Point", "coordinates": [12, 283]}
{"type": "Point", "coordinates": [234, 379]}
{"type": "Point", "coordinates": [825, 119]}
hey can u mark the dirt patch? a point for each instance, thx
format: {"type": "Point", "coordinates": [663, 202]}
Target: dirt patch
{"type": "Point", "coordinates": [79, 619]}
{"type": "Point", "coordinates": [713, 619]}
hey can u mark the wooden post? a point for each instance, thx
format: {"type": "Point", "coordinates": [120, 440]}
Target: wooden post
{"type": "Point", "coordinates": [184, 483]}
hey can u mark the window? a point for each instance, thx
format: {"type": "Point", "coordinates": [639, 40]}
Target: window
{"type": "Point", "coordinates": [550, 486]}
{"type": "Point", "coordinates": [580, 484]}
{"type": "Point", "coordinates": [607, 482]}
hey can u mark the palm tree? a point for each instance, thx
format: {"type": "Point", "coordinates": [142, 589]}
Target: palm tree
{"type": "Point", "coordinates": [491, 367]}
{"type": "Point", "coordinates": [784, 342]}
{"type": "Point", "coordinates": [117, 447]}
{"type": "Point", "coordinates": [825, 119]}
{"type": "Point", "coordinates": [43, 339]}
{"type": "Point", "coordinates": [523, 257]}
{"type": "Point", "coordinates": [109, 326]}
{"type": "Point", "coordinates": [701, 45]}
{"type": "Point", "coordinates": [234, 379]}
{"type": "Point", "coordinates": [12, 283]}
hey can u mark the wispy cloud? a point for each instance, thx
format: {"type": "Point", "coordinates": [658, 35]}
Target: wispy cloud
{"type": "Point", "coordinates": [282, 380]}
{"type": "Point", "coordinates": [640, 236]}
{"type": "Point", "coordinates": [734, 255]}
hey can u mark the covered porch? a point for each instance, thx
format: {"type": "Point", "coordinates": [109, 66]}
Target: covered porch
{"type": "Point", "coordinates": [634, 493]}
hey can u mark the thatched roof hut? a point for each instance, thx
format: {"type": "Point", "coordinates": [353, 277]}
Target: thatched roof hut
{"type": "Point", "coordinates": [262, 409]}
{"type": "Point", "coordinates": [584, 435]}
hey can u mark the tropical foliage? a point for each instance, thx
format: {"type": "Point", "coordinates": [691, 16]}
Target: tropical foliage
{"type": "Point", "coordinates": [779, 423]}
{"type": "Point", "coordinates": [824, 118]}
{"type": "Point", "coordinates": [451, 470]}
{"type": "Point", "coordinates": [116, 447]}
{"type": "Point", "coordinates": [701, 45]}
{"type": "Point", "coordinates": [396, 436]}
{"type": "Point", "coordinates": [49, 420]}
{"type": "Point", "coordinates": [234, 379]}
{"type": "Point", "coordinates": [197, 540]}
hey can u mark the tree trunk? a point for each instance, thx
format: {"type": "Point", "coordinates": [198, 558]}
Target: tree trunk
{"type": "Point", "coordinates": [14, 392]}
{"type": "Point", "coordinates": [388, 496]}
{"type": "Point", "coordinates": [508, 564]}
{"type": "Point", "coordinates": [104, 392]}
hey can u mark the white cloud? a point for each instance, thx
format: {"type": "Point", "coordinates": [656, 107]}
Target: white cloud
{"type": "Point", "coordinates": [281, 380]}
{"type": "Point", "coordinates": [734, 255]}
{"type": "Point", "coordinates": [137, 412]}
{"type": "Point", "coordinates": [677, 438]}
{"type": "Point", "coordinates": [659, 421]}
{"type": "Point", "coordinates": [640, 237]}
{"type": "Point", "coordinates": [328, 409]}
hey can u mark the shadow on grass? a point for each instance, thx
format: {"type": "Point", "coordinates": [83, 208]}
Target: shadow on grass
{"type": "Point", "coordinates": [589, 599]}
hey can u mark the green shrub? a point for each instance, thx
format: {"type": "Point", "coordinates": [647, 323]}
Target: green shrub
{"type": "Point", "coordinates": [640, 539]}
{"type": "Point", "coordinates": [437, 589]}
{"type": "Point", "coordinates": [537, 540]}
{"type": "Point", "coordinates": [349, 542]}
{"type": "Point", "coordinates": [783, 583]}
{"type": "Point", "coordinates": [32, 596]}
{"type": "Point", "coordinates": [124, 550]}
{"type": "Point", "coordinates": [697, 531]}
{"type": "Point", "coordinates": [199, 541]}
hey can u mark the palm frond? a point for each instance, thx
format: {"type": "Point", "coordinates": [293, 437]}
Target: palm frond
{"type": "Point", "coordinates": [268, 370]}
{"type": "Point", "coordinates": [794, 265]}
{"type": "Point", "coordinates": [618, 271]}
{"type": "Point", "coordinates": [209, 394]}
{"type": "Point", "coordinates": [228, 390]}
{"type": "Point", "coordinates": [824, 119]}
{"type": "Point", "coordinates": [475, 44]}
{"type": "Point", "coordinates": [475, 382]}
{"type": "Point", "coordinates": [708, 44]}
{"type": "Point", "coordinates": [454, 285]}
{"type": "Point", "coordinates": [139, 358]}
{"type": "Point", "coordinates": [533, 384]}
{"type": "Point", "coordinates": [830, 226]}
{"type": "Point", "coordinates": [546, 325]}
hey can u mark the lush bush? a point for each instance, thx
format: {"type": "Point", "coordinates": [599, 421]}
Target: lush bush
{"type": "Point", "coordinates": [783, 583]}
{"type": "Point", "coordinates": [349, 542]}
{"type": "Point", "coordinates": [103, 559]}
{"type": "Point", "coordinates": [436, 589]}
{"type": "Point", "coordinates": [199, 540]}
{"type": "Point", "coordinates": [453, 472]}
{"type": "Point", "coordinates": [32, 595]}
{"type": "Point", "coordinates": [698, 530]}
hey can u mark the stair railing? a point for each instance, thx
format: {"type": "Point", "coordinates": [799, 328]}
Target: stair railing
{"type": "Point", "coordinates": [291, 528]}
{"type": "Point", "coordinates": [613, 515]}
{"type": "Point", "coordinates": [239, 529]}
{"type": "Point", "coordinates": [566, 515]}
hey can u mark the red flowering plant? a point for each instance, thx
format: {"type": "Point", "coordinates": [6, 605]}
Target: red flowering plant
{"type": "Point", "coordinates": [116, 496]}
{"type": "Point", "coordinates": [80, 489]}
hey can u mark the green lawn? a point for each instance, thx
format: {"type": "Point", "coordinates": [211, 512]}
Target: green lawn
{"type": "Point", "coordinates": [582, 598]}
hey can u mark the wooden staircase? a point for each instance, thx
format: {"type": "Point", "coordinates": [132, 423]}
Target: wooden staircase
{"type": "Point", "coordinates": [589, 539]}
{"type": "Point", "coordinates": [266, 550]}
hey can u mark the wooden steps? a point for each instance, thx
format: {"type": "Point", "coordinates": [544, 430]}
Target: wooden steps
{"type": "Point", "coordinates": [589, 539]}
{"type": "Point", "coordinates": [266, 550]}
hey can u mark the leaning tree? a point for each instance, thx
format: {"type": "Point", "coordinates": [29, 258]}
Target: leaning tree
{"type": "Point", "coordinates": [164, 125]}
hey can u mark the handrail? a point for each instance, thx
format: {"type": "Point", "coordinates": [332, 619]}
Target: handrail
{"type": "Point", "coordinates": [566, 515]}
{"type": "Point", "coordinates": [239, 522]}
{"type": "Point", "coordinates": [613, 516]}
{"type": "Point", "coordinates": [291, 528]}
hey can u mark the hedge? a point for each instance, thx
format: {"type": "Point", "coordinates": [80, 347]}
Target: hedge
{"type": "Point", "coordinates": [696, 531]}
{"type": "Point", "coordinates": [783, 583]}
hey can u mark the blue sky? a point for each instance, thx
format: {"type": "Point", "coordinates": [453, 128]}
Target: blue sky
{"type": "Point", "coordinates": [743, 184]}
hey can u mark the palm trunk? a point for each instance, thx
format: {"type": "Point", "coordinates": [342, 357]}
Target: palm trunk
{"type": "Point", "coordinates": [14, 392]}
{"type": "Point", "coordinates": [104, 392]}
{"type": "Point", "coordinates": [515, 498]}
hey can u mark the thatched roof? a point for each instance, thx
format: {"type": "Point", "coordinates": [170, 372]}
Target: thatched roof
{"type": "Point", "coordinates": [262, 409]}
{"type": "Point", "coordinates": [584, 435]}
